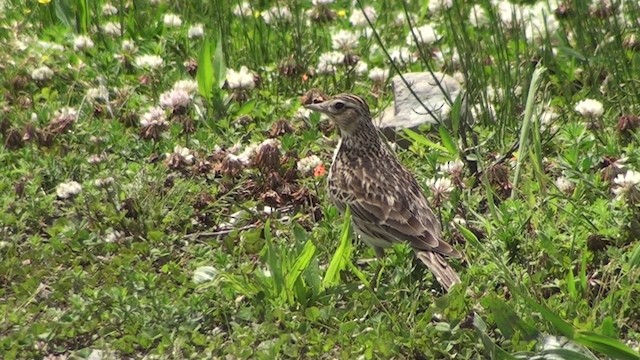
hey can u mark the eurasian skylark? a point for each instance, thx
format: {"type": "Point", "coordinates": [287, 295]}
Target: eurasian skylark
{"type": "Point", "coordinates": [386, 202]}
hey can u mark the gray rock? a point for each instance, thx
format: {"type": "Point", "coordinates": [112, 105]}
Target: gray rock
{"type": "Point", "coordinates": [407, 112]}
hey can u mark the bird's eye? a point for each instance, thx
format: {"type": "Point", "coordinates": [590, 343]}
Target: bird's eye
{"type": "Point", "coordinates": [339, 105]}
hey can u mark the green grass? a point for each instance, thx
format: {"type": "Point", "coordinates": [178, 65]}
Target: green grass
{"type": "Point", "coordinates": [172, 257]}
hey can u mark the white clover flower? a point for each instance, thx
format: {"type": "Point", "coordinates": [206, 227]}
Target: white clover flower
{"type": "Point", "coordinates": [43, 73]}
{"type": "Point", "coordinates": [129, 46]}
{"type": "Point", "coordinates": [478, 110]}
{"type": "Point", "coordinates": [104, 182]}
{"type": "Point", "coordinates": [402, 55]}
{"type": "Point", "coordinates": [424, 35]}
{"type": "Point", "coordinates": [246, 155]}
{"type": "Point", "coordinates": [82, 42]}
{"type": "Point", "coordinates": [195, 31]}
{"type": "Point", "coordinates": [344, 40]}
{"type": "Point", "coordinates": [65, 114]}
{"type": "Point", "coordinates": [509, 14]}
{"type": "Point", "coordinates": [359, 17]}
{"type": "Point", "coordinates": [478, 16]}
{"type": "Point", "coordinates": [172, 20]}
{"type": "Point", "coordinates": [204, 274]}
{"type": "Point", "coordinates": [174, 99]}
{"type": "Point", "coordinates": [250, 151]}
{"type": "Point", "coordinates": [149, 61]}
{"type": "Point", "coordinates": [626, 182]}
{"type": "Point", "coordinates": [268, 142]}
{"type": "Point", "coordinates": [100, 93]}
{"type": "Point", "coordinates": [440, 187]}
{"type": "Point", "coordinates": [452, 167]}
{"type": "Point", "coordinates": [240, 80]}
{"type": "Point", "coordinates": [96, 159]}
{"type": "Point", "coordinates": [112, 29]}
{"type": "Point", "coordinates": [361, 68]}
{"type": "Point", "coordinates": [328, 61]}
{"type": "Point", "coordinates": [111, 237]}
{"type": "Point", "coordinates": [565, 185]}
{"type": "Point", "coordinates": [590, 108]}
{"type": "Point", "coordinates": [68, 189]}
{"type": "Point", "coordinates": [49, 46]}
{"type": "Point", "coordinates": [153, 116]}
{"type": "Point", "coordinates": [181, 155]}
{"type": "Point", "coordinates": [538, 22]}
{"type": "Point", "coordinates": [308, 164]}
{"type": "Point", "coordinates": [317, 3]}
{"type": "Point", "coordinates": [188, 85]}
{"type": "Point", "coordinates": [437, 6]}
{"type": "Point", "coordinates": [547, 117]}
{"type": "Point", "coordinates": [109, 10]}
{"type": "Point", "coordinates": [242, 10]}
{"type": "Point", "coordinates": [278, 13]}
{"type": "Point", "coordinates": [401, 19]}
{"type": "Point", "coordinates": [378, 75]}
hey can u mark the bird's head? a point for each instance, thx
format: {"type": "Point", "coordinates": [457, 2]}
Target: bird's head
{"type": "Point", "coordinates": [349, 112]}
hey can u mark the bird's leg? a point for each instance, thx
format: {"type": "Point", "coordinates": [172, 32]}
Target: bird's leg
{"type": "Point", "coordinates": [380, 255]}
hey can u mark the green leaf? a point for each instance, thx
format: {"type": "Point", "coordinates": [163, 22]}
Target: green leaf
{"type": "Point", "coordinates": [63, 13]}
{"type": "Point", "coordinates": [422, 140]}
{"type": "Point", "coordinates": [273, 261]}
{"type": "Point", "coordinates": [564, 327]}
{"type": "Point", "coordinates": [205, 71]}
{"type": "Point", "coordinates": [342, 256]}
{"type": "Point", "coordinates": [526, 124]}
{"type": "Point", "coordinates": [571, 285]}
{"type": "Point", "coordinates": [634, 260]}
{"type": "Point", "coordinates": [608, 328]}
{"type": "Point", "coordinates": [606, 345]}
{"type": "Point", "coordinates": [447, 141]}
{"type": "Point", "coordinates": [495, 351]}
{"type": "Point", "coordinates": [509, 322]}
{"type": "Point", "coordinates": [571, 53]}
{"type": "Point", "coordinates": [299, 266]}
{"type": "Point", "coordinates": [456, 112]}
{"type": "Point", "coordinates": [312, 313]}
{"type": "Point", "coordinates": [82, 16]}
{"type": "Point", "coordinates": [583, 272]}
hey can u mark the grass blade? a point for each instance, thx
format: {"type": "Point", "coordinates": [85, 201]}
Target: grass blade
{"type": "Point", "coordinates": [447, 141]}
{"type": "Point", "coordinates": [607, 346]}
{"type": "Point", "coordinates": [342, 256]}
{"type": "Point", "coordinates": [526, 124]}
{"type": "Point", "coordinates": [299, 266]}
{"type": "Point", "coordinates": [273, 261]}
{"type": "Point", "coordinates": [422, 140]}
{"type": "Point", "coordinates": [205, 71]}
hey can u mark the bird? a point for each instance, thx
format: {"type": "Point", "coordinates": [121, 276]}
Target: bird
{"type": "Point", "coordinates": [386, 203]}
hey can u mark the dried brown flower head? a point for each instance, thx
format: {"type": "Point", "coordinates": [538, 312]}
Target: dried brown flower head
{"type": "Point", "coordinates": [313, 96]}
{"type": "Point", "coordinates": [279, 128]}
{"type": "Point", "coordinates": [13, 139]}
{"type": "Point", "coordinates": [267, 158]}
{"type": "Point", "coordinates": [628, 124]}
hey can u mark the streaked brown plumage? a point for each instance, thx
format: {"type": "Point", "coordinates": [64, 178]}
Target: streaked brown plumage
{"type": "Point", "coordinates": [386, 202]}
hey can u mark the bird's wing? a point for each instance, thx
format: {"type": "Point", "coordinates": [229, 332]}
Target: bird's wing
{"type": "Point", "coordinates": [386, 202]}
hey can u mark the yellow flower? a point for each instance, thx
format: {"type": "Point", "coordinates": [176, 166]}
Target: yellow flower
{"type": "Point", "coordinates": [256, 14]}
{"type": "Point", "coordinates": [342, 13]}
{"type": "Point", "coordinates": [44, 2]}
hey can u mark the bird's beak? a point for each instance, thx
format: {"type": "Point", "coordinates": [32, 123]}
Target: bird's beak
{"type": "Point", "coordinates": [320, 107]}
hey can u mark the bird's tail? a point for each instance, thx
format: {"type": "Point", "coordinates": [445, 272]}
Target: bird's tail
{"type": "Point", "coordinates": [445, 275]}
